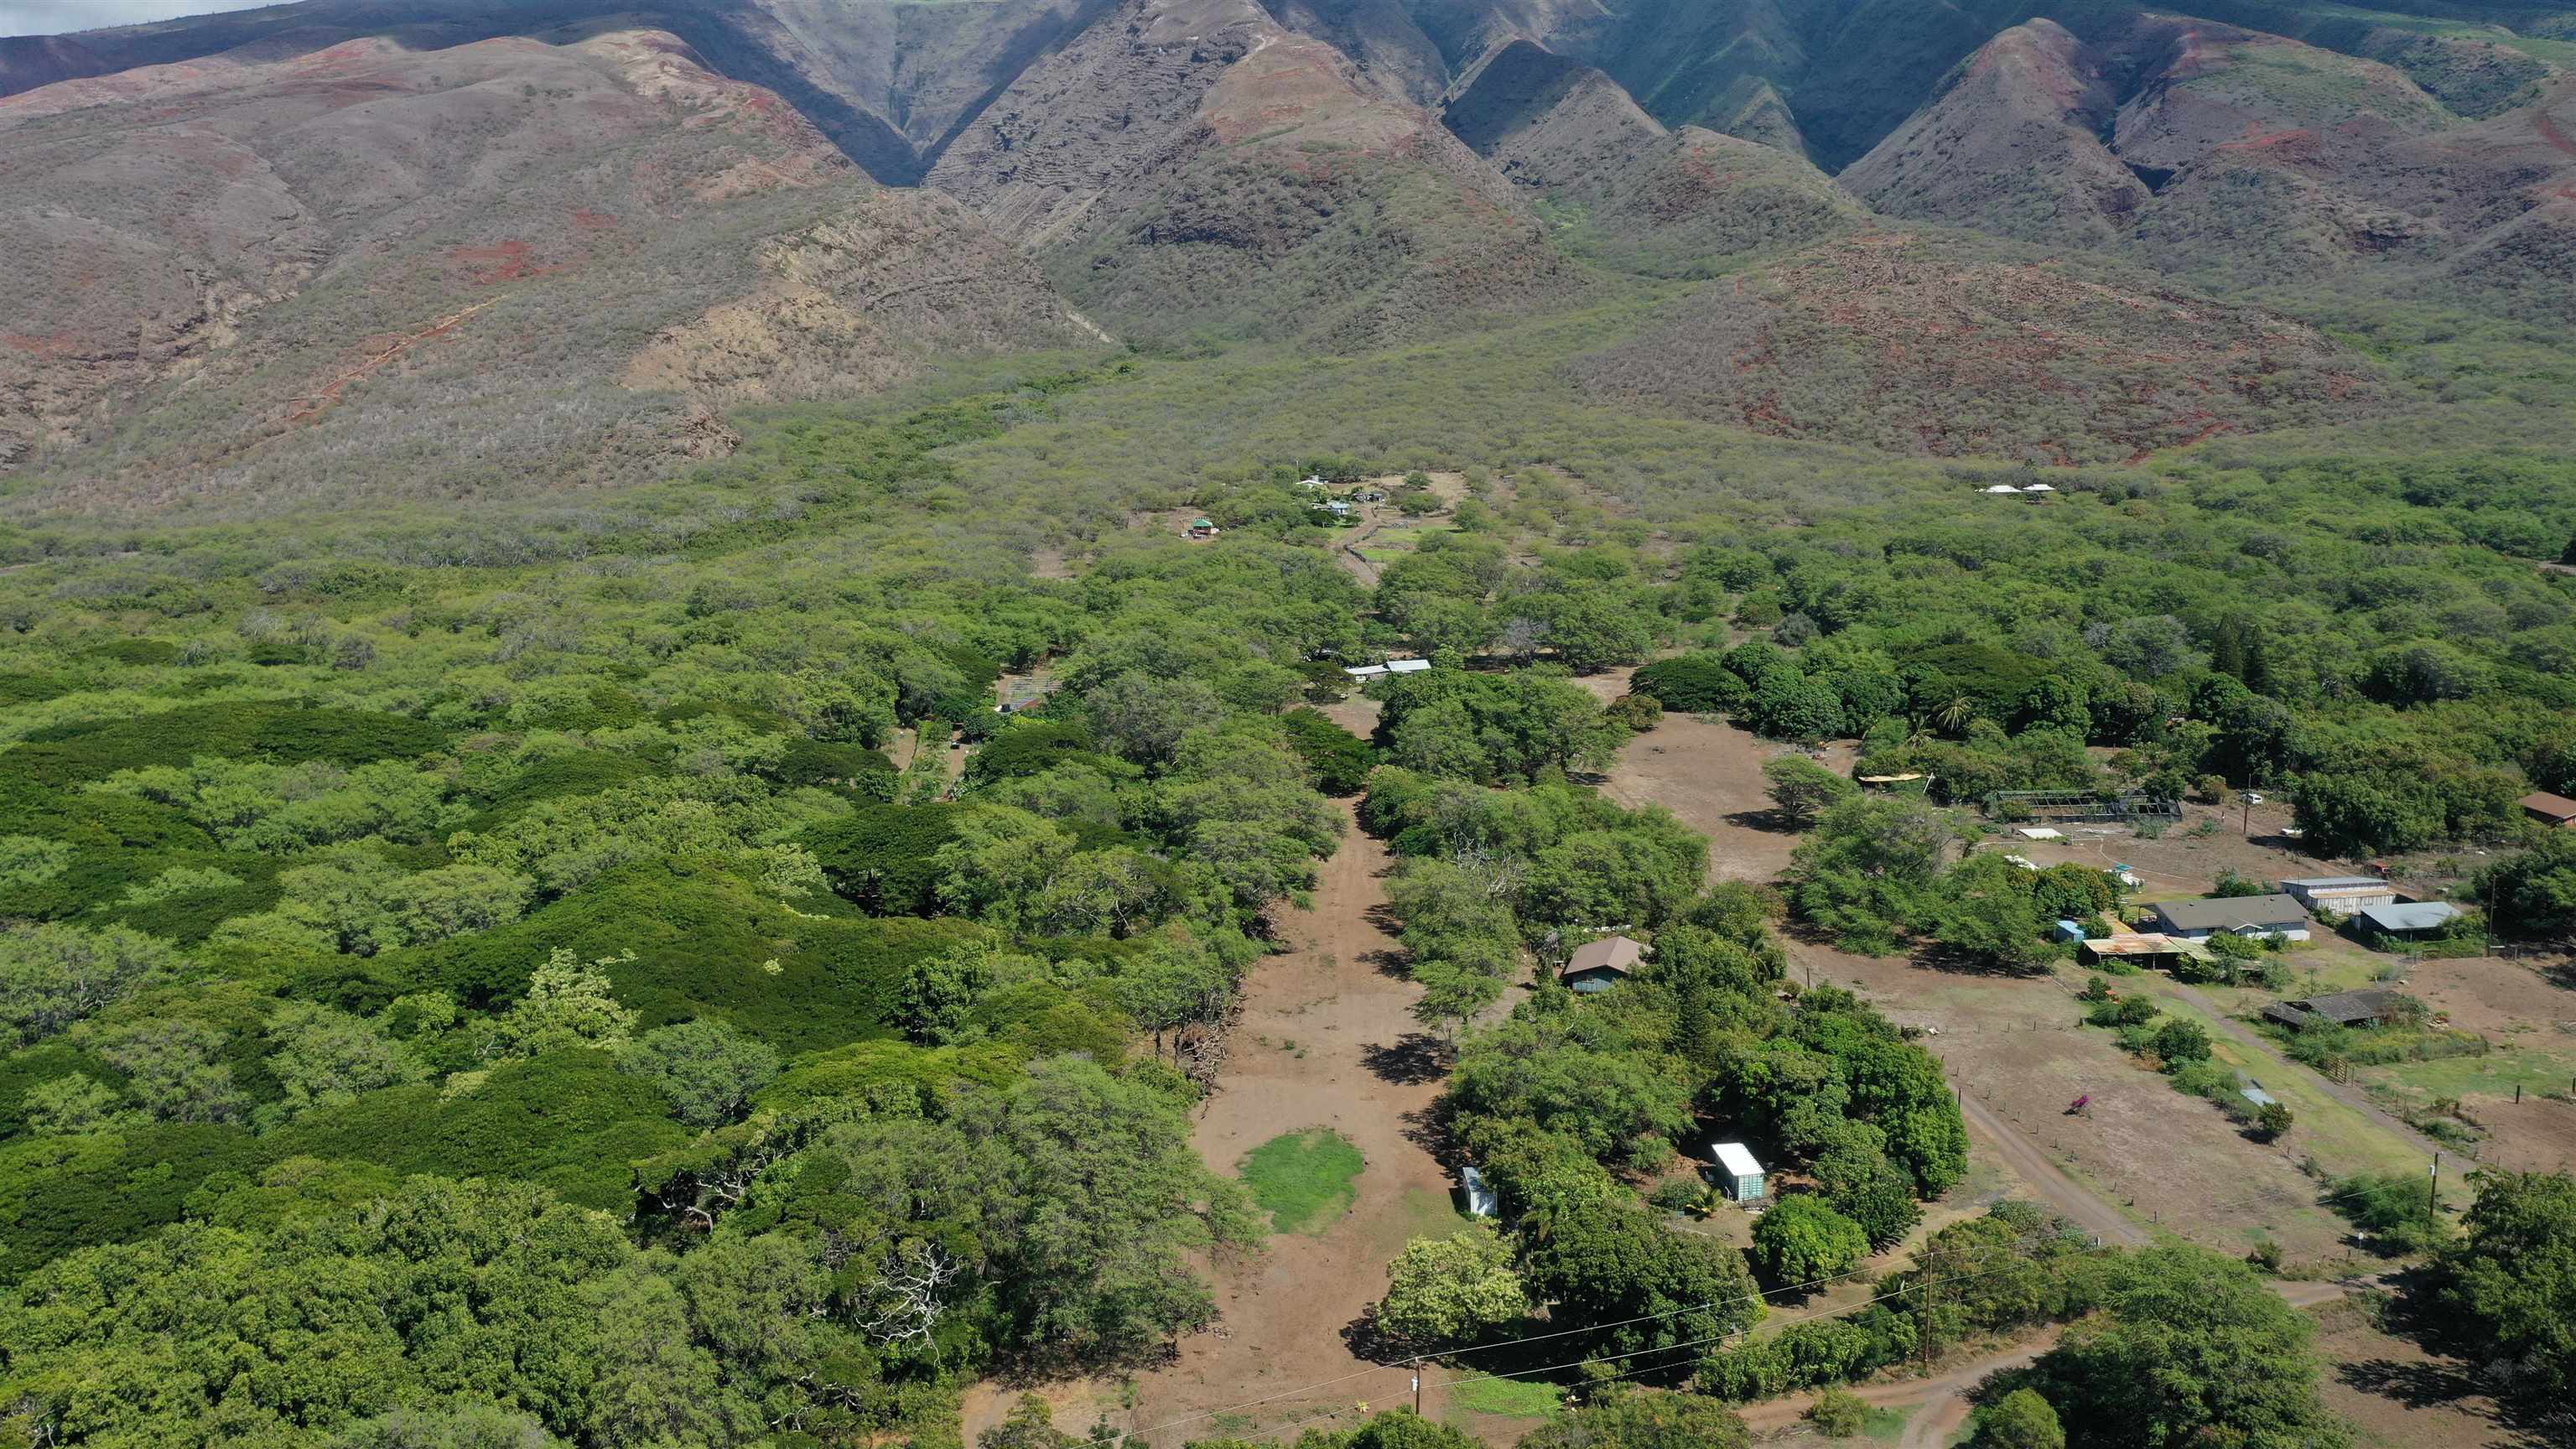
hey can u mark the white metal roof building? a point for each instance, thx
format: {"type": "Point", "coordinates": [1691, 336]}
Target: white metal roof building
{"type": "Point", "coordinates": [2342, 894]}
{"type": "Point", "coordinates": [1739, 1172]}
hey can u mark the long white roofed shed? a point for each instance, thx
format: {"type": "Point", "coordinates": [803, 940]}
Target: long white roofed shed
{"type": "Point", "coordinates": [1738, 1172]}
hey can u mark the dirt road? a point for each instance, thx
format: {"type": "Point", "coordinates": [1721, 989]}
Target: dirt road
{"type": "Point", "coordinates": [1709, 774]}
{"type": "Point", "coordinates": [2350, 1096]}
{"type": "Point", "coordinates": [1325, 1040]}
{"type": "Point", "coordinates": [2044, 1177]}
{"type": "Point", "coordinates": [1937, 1395]}
{"type": "Point", "coordinates": [1941, 1405]}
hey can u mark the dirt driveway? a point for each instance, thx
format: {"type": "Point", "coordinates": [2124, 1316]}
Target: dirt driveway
{"type": "Point", "coordinates": [2013, 1047]}
{"type": "Point", "coordinates": [1326, 1040]}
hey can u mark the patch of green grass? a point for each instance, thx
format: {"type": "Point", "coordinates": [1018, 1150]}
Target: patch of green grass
{"type": "Point", "coordinates": [1422, 1213]}
{"type": "Point", "coordinates": [1887, 1426]}
{"type": "Point", "coordinates": [1304, 1180]}
{"type": "Point", "coordinates": [2497, 1073]}
{"type": "Point", "coordinates": [1508, 1399]}
{"type": "Point", "coordinates": [2341, 1138]}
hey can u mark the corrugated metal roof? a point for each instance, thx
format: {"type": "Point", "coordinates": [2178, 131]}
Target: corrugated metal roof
{"type": "Point", "coordinates": [1736, 1159]}
{"type": "Point", "coordinates": [2322, 882]}
{"type": "Point", "coordinates": [1612, 953]}
{"type": "Point", "coordinates": [2411, 915]}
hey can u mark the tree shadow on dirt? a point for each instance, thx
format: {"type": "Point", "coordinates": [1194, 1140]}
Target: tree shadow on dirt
{"type": "Point", "coordinates": [1431, 1130]}
{"type": "Point", "coordinates": [1766, 822]}
{"type": "Point", "coordinates": [2452, 1377]}
{"type": "Point", "coordinates": [2416, 1385]}
{"type": "Point", "coordinates": [1410, 1060]}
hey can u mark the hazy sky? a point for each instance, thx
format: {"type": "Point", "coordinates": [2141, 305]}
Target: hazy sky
{"type": "Point", "coordinates": [46, 17]}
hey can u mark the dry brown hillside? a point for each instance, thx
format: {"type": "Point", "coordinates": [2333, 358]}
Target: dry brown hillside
{"type": "Point", "coordinates": [2240, 157]}
{"type": "Point", "coordinates": [1190, 166]}
{"type": "Point", "coordinates": [368, 268]}
{"type": "Point", "coordinates": [1900, 341]}
{"type": "Point", "coordinates": [2012, 146]}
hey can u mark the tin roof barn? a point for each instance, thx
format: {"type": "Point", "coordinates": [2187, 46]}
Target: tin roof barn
{"type": "Point", "coordinates": [2341, 894]}
{"type": "Point", "coordinates": [2410, 918]}
{"type": "Point", "coordinates": [2343, 1008]}
{"type": "Point", "coordinates": [1598, 965]}
{"type": "Point", "coordinates": [2273, 915]}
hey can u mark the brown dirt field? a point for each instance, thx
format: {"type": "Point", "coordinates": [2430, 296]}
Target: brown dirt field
{"type": "Point", "coordinates": [2168, 1162]}
{"type": "Point", "coordinates": [2180, 862]}
{"type": "Point", "coordinates": [2399, 1396]}
{"type": "Point", "coordinates": [1709, 773]}
{"type": "Point", "coordinates": [2493, 996]}
{"type": "Point", "coordinates": [2533, 1135]}
{"type": "Point", "coordinates": [1324, 1040]}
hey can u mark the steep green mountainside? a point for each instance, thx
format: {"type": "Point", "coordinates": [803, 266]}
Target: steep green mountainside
{"type": "Point", "coordinates": [1625, 191]}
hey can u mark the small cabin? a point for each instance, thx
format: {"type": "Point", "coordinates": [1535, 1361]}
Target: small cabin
{"type": "Point", "coordinates": [2273, 915]}
{"type": "Point", "coordinates": [2555, 811]}
{"type": "Point", "coordinates": [1481, 1201]}
{"type": "Point", "coordinates": [1739, 1175]}
{"type": "Point", "coordinates": [1600, 965]}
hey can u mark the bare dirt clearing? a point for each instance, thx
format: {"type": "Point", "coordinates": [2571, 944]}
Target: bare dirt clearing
{"type": "Point", "coordinates": [1709, 773]}
{"type": "Point", "coordinates": [2144, 1155]}
{"type": "Point", "coordinates": [2400, 1396]}
{"type": "Point", "coordinates": [1325, 1040]}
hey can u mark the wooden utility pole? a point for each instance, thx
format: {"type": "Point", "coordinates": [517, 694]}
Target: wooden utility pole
{"type": "Point", "coordinates": [1417, 1388]}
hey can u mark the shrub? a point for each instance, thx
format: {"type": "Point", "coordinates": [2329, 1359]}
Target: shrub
{"type": "Point", "coordinates": [1802, 1240]}
{"type": "Point", "coordinates": [1838, 1414]}
{"type": "Point", "coordinates": [1692, 683]}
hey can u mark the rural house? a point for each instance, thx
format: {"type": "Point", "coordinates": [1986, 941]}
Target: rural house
{"type": "Point", "coordinates": [2342, 894]}
{"type": "Point", "coordinates": [2343, 1008]}
{"type": "Point", "coordinates": [2556, 811]}
{"type": "Point", "coordinates": [2273, 915]}
{"type": "Point", "coordinates": [1599, 965]}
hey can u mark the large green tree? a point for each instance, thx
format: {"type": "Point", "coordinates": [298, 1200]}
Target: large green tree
{"type": "Point", "coordinates": [2191, 1347]}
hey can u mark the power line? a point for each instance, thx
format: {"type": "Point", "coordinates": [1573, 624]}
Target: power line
{"type": "Point", "coordinates": [1415, 1362]}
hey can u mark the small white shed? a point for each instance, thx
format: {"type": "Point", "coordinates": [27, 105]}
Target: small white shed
{"type": "Point", "coordinates": [1738, 1174]}
{"type": "Point", "coordinates": [1481, 1201]}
